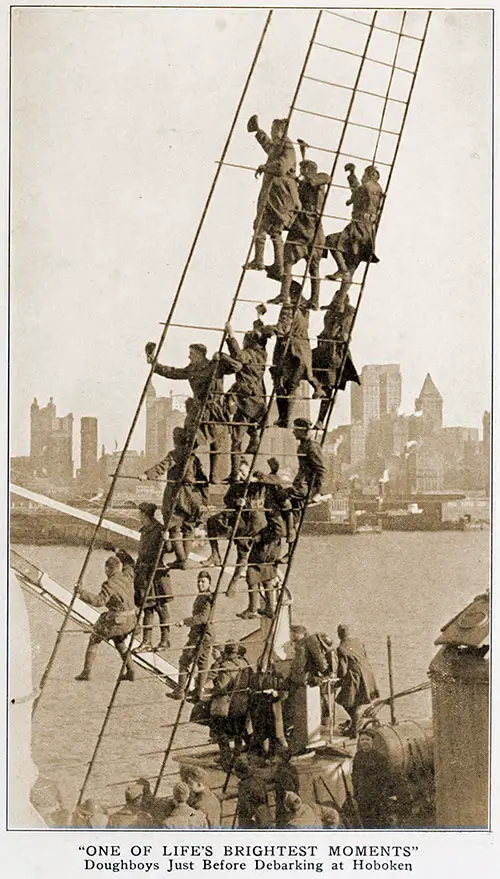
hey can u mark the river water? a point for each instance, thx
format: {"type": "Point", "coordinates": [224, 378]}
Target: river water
{"type": "Point", "coordinates": [406, 585]}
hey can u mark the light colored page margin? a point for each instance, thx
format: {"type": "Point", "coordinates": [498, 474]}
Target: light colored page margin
{"type": "Point", "coordinates": [50, 855]}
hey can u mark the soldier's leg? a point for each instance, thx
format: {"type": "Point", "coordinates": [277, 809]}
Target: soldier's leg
{"type": "Point", "coordinates": [205, 652]}
{"type": "Point", "coordinates": [217, 434]}
{"type": "Point", "coordinates": [243, 545]}
{"type": "Point", "coordinates": [121, 646]}
{"type": "Point", "coordinates": [90, 655]}
{"type": "Point", "coordinates": [176, 538]}
{"type": "Point", "coordinates": [185, 660]}
{"type": "Point", "coordinates": [275, 271]}
{"type": "Point", "coordinates": [164, 618]}
{"type": "Point", "coordinates": [323, 408]}
{"type": "Point", "coordinates": [213, 531]}
{"type": "Point", "coordinates": [315, 283]}
{"type": "Point", "coordinates": [147, 630]}
{"type": "Point", "coordinates": [257, 264]}
{"type": "Point", "coordinates": [253, 431]}
{"type": "Point", "coordinates": [286, 280]}
{"type": "Point", "coordinates": [237, 433]}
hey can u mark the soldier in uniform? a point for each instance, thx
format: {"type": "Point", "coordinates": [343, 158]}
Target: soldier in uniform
{"type": "Point", "coordinates": [252, 809]}
{"type": "Point", "coordinates": [185, 493]}
{"type": "Point", "coordinates": [292, 356]}
{"type": "Point", "coordinates": [252, 520]}
{"type": "Point", "coordinates": [90, 813]}
{"type": "Point", "coordinates": [328, 355]}
{"type": "Point", "coordinates": [117, 595]}
{"type": "Point", "coordinates": [306, 239]}
{"type": "Point", "coordinates": [356, 242]}
{"type": "Point", "coordinates": [149, 555]}
{"type": "Point", "coordinates": [206, 379]}
{"type": "Point", "coordinates": [302, 814]}
{"type": "Point", "coordinates": [200, 796]}
{"type": "Point", "coordinates": [249, 391]}
{"type": "Point", "coordinates": [133, 813]}
{"type": "Point", "coordinates": [309, 478]}
{"type": "Point", "coordinates": [356, 679]}
{"type": "Point", "coordinates": [200, 639]}
{"type": "Point", "coordinates": [278, 200]}
{"type": "Point", "coordinates": [181, 813]}
{"type": "Point", "coordinates": [372, 783]}
{"type": "Point", "coordinates": [229, 703]}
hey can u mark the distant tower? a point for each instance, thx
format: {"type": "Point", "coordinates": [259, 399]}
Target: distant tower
{"type": "Point", "coordinates": [378, 394]}
{"type": "Point", "coordinates": [88, 452]}
{"type": "Point", "coordinates": [430, 404]}
{"type": "Point", "coordinates": [161, 418]}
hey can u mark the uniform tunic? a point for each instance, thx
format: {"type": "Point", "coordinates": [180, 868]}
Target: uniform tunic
{"type": "Point", "coordinates": [150, 544]}
{"type": "Point", "coordinates": [117, 594]}
{"type": "Point", "coordinates": [358, 685]}
{"type": "Point", "coordinates": [313, 815]}
{"type": "Point", "coordinates": [327, 356]}
{"type": "Point", "coordinates": [311, 468]}
{"type": "Point", "coordinates": [183, 815]}
{"type": "Point", "coordinates": [306, 230]}
{"type": "Point", "coordinates": [206, 380]}
{"type": "Point", "coordinates": [278, 200]}
{"type": "Point", "coordinates": [208, 803]}
{"type": "Point", "coordinates": [249, 388]}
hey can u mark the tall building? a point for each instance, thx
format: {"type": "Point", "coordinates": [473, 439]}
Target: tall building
{"type": "Point", "coordinates": [51, 443]}
{"type": "Point", "coordinates": [378, 394]}
{"type": "Point", "coordinates": [88, 454]}
{"type": "Point", "coordinates": [161, 418]}
{"type": "Point", "coordinates": [430, 404]}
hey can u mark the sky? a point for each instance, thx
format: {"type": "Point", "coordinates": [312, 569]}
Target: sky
{"type": "Point", "coordinates": [118, 118]}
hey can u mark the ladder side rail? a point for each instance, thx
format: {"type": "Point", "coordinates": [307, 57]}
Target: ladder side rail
{"type": "Point", "coordinates": [197, 424]}
{"type": "Point", "coordinates": [161, 341]}
{"type": "Point", "coordinates": [237, 520]}
{"type": "Point", "coordinates": [367, 267]}
{"type": "Point", "coordinates": [268, 647]}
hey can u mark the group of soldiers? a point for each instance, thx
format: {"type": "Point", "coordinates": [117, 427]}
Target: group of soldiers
{"type": "Point", "coordinates": [248, 709]}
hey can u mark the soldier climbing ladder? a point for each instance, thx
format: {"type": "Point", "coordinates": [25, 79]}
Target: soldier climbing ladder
{"type": "Point", "coordinates": [385, 141]}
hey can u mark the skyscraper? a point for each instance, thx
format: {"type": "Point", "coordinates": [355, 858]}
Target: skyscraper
{"type": "Point", "coordinates": [161, 418]}
{"type": "Point", "coordinates": [88, 453]}
{"type": "Point", "coordinates": [378, 394]}
{"type": "Point", "coordinates": [430, 404]}
{"type": "Point", "coordinates": [51, 443]}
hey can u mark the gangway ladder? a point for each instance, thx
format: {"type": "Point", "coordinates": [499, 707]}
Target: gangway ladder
{"type": "Point", "coordinates": [372, 27]}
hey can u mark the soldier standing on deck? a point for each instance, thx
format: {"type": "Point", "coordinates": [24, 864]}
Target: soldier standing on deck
{"type": "Point", "coordinates": [278, 200]}
{"type": "Point", "coordinates": [117, 594]}
{"type": "Point", "coordinates": [200, 639]}
{"type": "Point", "coordinates": [206, 379]}
{"type": "Point", "coordinates": [150, 547]}
{"type": "Point", "coordinates": [357, 681]}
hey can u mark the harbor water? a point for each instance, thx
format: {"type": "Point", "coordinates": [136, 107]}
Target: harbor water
{"type": "Point", "coordinates": [406, 585]}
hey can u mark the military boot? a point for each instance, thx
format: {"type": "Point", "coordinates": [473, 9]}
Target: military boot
{"type": "Point", "coordinates": [275, 271]}
{"type": "Point", "coordinates": [88, 662]}
{"type": "Point", "coordinates": [257, 264]}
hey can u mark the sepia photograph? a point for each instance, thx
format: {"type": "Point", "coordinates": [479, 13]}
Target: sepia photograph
{"type": "Point", "coordinates": [251, 372]}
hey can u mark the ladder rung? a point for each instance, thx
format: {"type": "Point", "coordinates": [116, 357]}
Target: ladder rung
{"type": "Point", "coordinates": [249, 168]}
{"type": "Point", "coordinates": [376, 27]}
{"type": "Point", "coordinates": [356, 124]}
{"type": "Point", "coordinates": [349, 88]}
{"type": "Point", "coordinates": [357, 55]}
{"type": "Point", "coordinates": [347, 155]}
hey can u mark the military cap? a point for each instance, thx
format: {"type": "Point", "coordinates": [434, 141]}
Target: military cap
{"type": "Point", "coordinates": [291, 801]}
{"type": "Point", "coordinates": [180, 792]}
{"type": "Point", "coordinates": [197, 346]}
{"type": "Point", "coordinates": [302, 422]}
{"type": "Point", "coordinates": [90, 807]}
{"type": "Point", "coordinates": [368, 731]}
{"type": "Point", "coordinates": [274, 464]}
{"type": "Point", "coordinates": [148, 509]}
{"type": "Point", "coordinates": [134, 792]}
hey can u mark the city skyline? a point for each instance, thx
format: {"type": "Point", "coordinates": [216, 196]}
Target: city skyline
{"type": "Point", "coordinates": [106, 194]}
{"type": "Point", "coordinates": [158, 408]}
